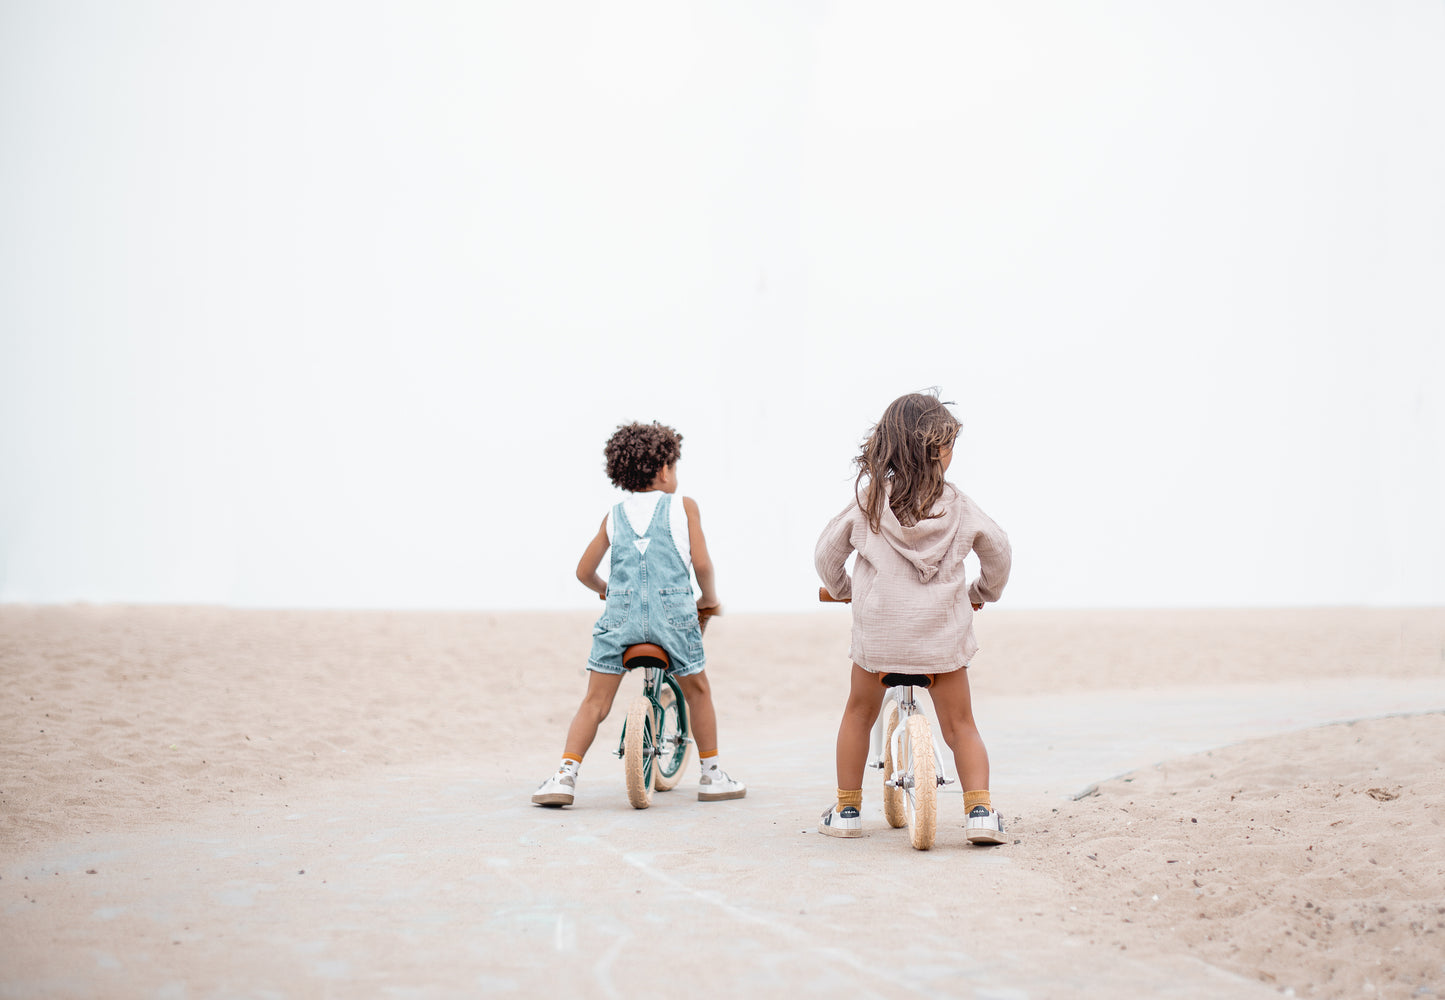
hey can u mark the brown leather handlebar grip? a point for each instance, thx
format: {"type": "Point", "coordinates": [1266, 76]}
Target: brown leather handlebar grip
{"type": "Point", "coordinates": [704, 615]}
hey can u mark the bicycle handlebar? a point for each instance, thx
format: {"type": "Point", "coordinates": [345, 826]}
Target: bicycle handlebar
{"type": "Point", "coordinates": [704, 615]}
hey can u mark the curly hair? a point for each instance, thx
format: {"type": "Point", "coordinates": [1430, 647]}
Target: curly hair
{"type": "Point", "coordinates": [636, 453]}
{"type": "Point", "coordinates": [901, 459]}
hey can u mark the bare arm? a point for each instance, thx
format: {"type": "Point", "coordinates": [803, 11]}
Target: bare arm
{"type": "Point", "coordinates": [701, 561]}
{"type": "Point", "coordinates": [591, 559]}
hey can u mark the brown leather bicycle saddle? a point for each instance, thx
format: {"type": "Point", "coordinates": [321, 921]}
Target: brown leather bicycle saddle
{"type": "Point", "coordinates": [645, 654]}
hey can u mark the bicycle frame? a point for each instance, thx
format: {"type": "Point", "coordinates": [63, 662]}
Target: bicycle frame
{"type": "Point", "coordinates": [907, 706]}
{"type": "Point", "coordinates": [661, 746]}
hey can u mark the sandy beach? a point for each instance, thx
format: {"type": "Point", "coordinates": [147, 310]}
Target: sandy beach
{"type": "Point", "coordinates": [210, 802]}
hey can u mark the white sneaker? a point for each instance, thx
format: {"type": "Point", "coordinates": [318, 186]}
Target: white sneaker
{"type": "Point", "coordinates": [843, 822]}
{"type": "Point", "coordinates": [556, 790]}
{"type": "Point", "coordinates": [984, 826]}
{"type": "Point", "coordinates": [716, 786]}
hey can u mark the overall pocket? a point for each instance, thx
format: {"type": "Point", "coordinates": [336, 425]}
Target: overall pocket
{"type": "Point", "coordinates": [679, 606]}
{"type": "Point", "coordinates": [619, 602]}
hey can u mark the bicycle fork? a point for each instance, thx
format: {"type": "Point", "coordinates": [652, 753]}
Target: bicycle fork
{"type": "Point", "coordinates": [902, 777]}
{"type": "Point", "coordinates": [661, 745]}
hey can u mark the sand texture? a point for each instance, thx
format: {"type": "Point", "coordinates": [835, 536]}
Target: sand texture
{"type": "Point", "coordinates": [207, 802]}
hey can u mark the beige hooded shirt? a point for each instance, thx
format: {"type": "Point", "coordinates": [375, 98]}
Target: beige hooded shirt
{"type": "Point", "coordinates": [912, 606]}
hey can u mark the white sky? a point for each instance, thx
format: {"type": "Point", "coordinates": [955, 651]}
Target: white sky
{"type": "Point", "coordinates": [334, 304]}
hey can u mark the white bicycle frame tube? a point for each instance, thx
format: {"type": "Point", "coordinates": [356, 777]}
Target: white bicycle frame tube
{"type": "Point", "coordinates": [907, 705]}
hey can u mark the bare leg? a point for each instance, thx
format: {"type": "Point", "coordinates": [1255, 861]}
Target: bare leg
{"type": "Point", "coordinates": [701, 716]}
{"type": "Point", "coordinates": [864, 698]}
{"type": "Point", "coordinates": [954, 705]}
{"type": "Point", "coordinates": [596, 703]}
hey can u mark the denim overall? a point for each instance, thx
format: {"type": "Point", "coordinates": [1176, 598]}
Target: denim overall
{"type": "Point", "coordinates": [649, 597]}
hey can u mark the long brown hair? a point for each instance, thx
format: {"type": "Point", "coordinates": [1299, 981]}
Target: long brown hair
{"type": "Point", "coordinates": [902, 459]}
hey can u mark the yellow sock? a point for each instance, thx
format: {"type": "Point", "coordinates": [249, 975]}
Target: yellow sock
{"type": "Point", "coordinates": [979, 798]}
{"type": "Point", "coordinates": [850, 797]}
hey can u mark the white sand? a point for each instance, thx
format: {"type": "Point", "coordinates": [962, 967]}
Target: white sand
{"type": "Point", "coordinates": [163, 768]}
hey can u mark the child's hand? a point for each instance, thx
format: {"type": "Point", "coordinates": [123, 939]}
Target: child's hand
{"type": "Point", "coordinates": [978, 607]}
{"type": "Point", "coordinates": [705, 611]}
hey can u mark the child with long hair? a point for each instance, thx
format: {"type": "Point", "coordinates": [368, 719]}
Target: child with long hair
{"type": "Point", "coordinates": [655, 542]}
{"type": "Point", "coordinates": [912, 604]}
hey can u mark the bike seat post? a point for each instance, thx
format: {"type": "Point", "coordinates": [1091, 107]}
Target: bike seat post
{"type": "Point", "coordinates": [906, 683]}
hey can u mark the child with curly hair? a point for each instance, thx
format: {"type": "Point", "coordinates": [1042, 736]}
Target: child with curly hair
{"type": "Point", "coordinates": [654, 542]}
{"type": "Point", "coordinates": [912, 605]}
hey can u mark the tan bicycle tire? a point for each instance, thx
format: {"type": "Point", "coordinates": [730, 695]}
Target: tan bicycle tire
{"type": "Point", "coordinates": [660, 781]}
{"type": "Point", "coordinates": [636, 746]}
{"type": "Point", "coordinates": [893, 810]}
{"type": "Point", "coordinates": [923, 803]}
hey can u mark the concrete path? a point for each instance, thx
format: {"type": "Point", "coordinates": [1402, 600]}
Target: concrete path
{"type": "Point", "coordinates": [444, 881]}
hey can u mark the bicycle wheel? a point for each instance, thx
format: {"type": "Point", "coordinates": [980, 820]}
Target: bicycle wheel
{"type": "Point", "coordinates": [673, 745]}
{"type": "Point", "coordinates": [892, 797]}
{"type": "Point", "coordinates": [922, 798]}
{"type": "Point", "coordinates": [637, 748]}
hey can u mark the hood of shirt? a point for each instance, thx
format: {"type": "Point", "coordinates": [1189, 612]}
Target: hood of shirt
{"type": "Point", "coordinates": [927, 542]}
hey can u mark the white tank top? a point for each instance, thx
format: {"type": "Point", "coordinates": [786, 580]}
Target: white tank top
{"type": "Point", "coordinates": [639, 508]}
